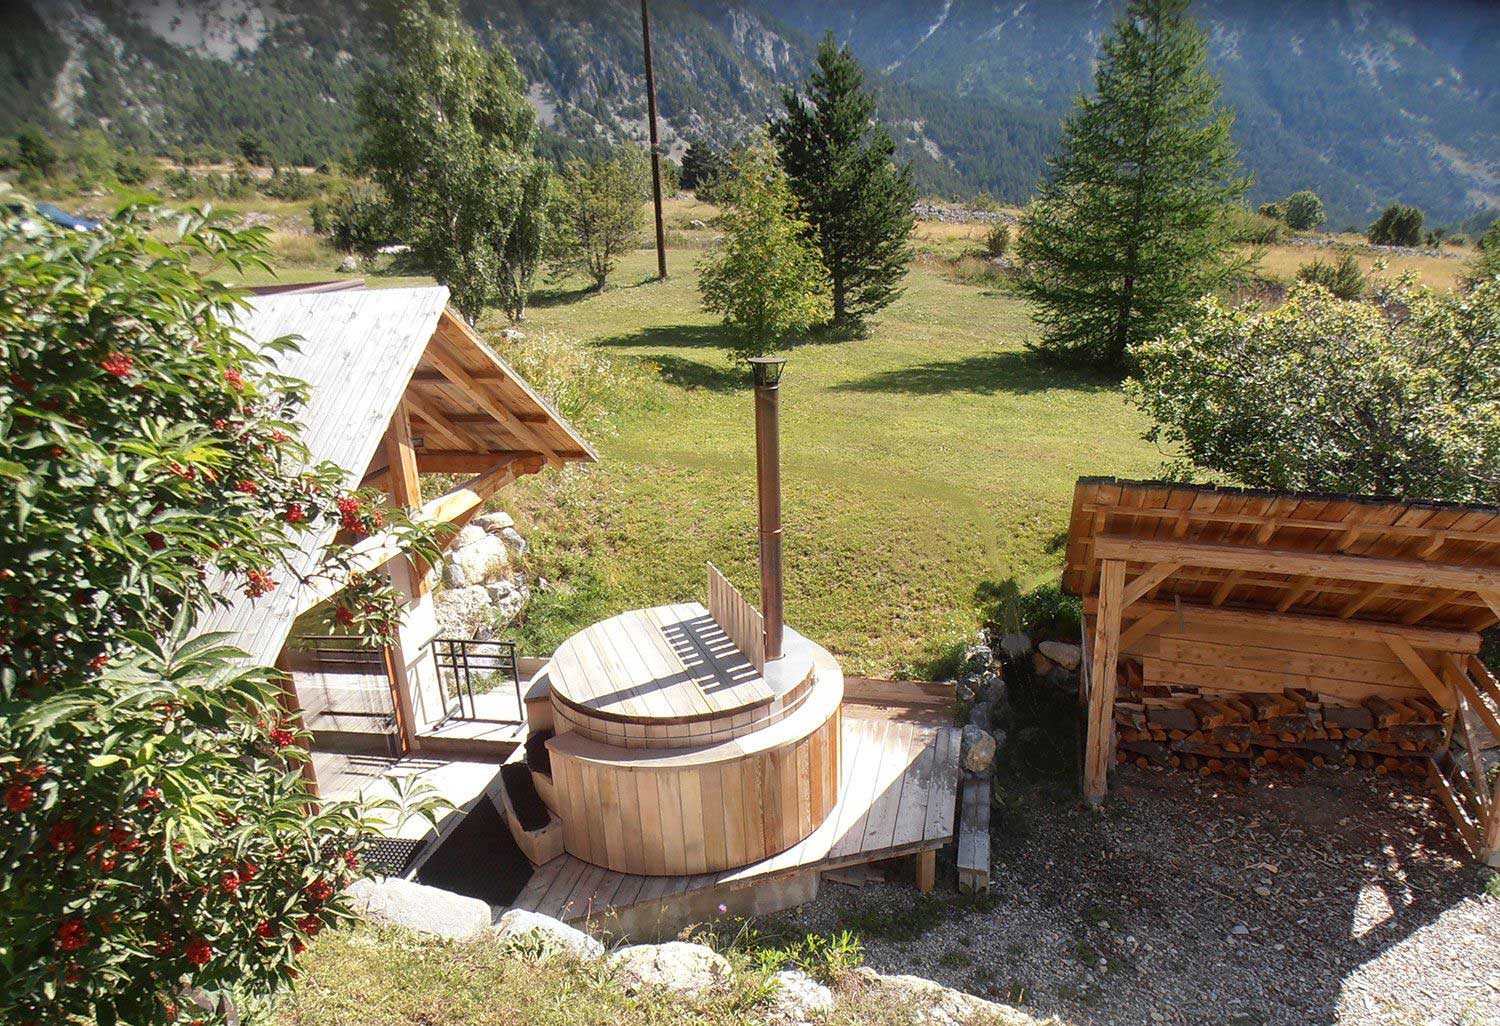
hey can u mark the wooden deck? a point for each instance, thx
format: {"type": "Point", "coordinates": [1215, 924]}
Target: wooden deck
{"type": "Point", "coordinates": [898, 797]}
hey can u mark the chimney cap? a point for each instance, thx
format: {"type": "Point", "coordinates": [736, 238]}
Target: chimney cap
{"type": "Point", "coordinates": [767, 369]}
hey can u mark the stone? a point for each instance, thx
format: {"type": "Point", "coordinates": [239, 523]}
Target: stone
{"type": "Point", "coordinates": [991, 688]}
{"type": "Point", "coordinates": [349, 263]}
{"type": "Point", "coordinates": [965, 691]}
{"type": "Point", "coordinates": [697, 225]}
{"type": "Point", "coordinates": [485, 560]}
{"type": "Point", "coordinates": [470, 534]}
{"type": "Point", "coordinates": [494, 522]}
{"type": "Point", "coordinates": [512, 334]}
{"type": "Point", "coordinates": [933, 1004]}
{"type": "Point", "coordinates": [978, 750]}
{"type": "Point", "coordinates": [979, 715]}
{"type": "Point", "coordinates": [1000, 737]}
{"type": "Point", "coordinates": [1041, 665]}
{"type": "Point", "coordinates": [507, 597]}
{"type": "Point", "coordinates": [978, 657]}
{"type": "Point", "coordinates": [460, 611]}
{"type": "Point", "coordinates": [678, 966]}
{"type": "Point", "coordinates": [1060, 652]}
{"type": "Point", "coordinates": [422, 908]}
{"type": "Point", "coordinates": [512, 538]}
{"type": "Point", "coordinates": [799, 998]}
{"type": "Point", "coordinates": [1015, 645]}
{"type": "Point", "coordinates": [552, 936]}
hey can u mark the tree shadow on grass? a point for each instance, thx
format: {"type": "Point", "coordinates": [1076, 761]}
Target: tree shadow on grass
{"type": "Point", "coordinates": [695, 374]}
{"type": "Point", "coordinates": [560, 296]}
{"type": "Point", "coordinates": [1014, 371]}
{"type": "Point", "coordinates": [673, 336]}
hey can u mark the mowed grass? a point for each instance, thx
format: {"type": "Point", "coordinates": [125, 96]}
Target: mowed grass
{"type": "Point", "coordinates": [927, 468]}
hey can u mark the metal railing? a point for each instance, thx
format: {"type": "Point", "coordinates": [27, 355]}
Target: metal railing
{"type": "Point", "coordinates": [468, 670]}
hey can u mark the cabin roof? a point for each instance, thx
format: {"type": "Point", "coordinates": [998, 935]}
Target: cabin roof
{"type": "Point", "coordinates": [363, 352]}
{"type": "Point", "coordinates": [1353, 558]}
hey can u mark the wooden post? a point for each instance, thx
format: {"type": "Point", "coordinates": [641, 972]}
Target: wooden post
{"type": "Point", "coordinates": [661, 235]}
{"type": "Point", "coordinates": [291, 704]}
{"type": "Point", "coordinates": [1102, 698]}
{"type": "Point", "coordinates": [405, 486]}
{"type": "Point", "coordinates": [926, 870]}
{"type": "Point", "coordinates": [405, 492]}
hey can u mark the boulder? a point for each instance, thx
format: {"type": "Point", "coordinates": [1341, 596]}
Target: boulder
{"type": "Point", "coordinates": [513, 540]}
{"type": "Point", "coordinates": [422, 908]}
{"type": "Point", "coordinates": [485, 560]}
{"type": "Point", "coordinates": [507, 598]}
{"type": "Point", "coordinates": [1040, 664]}
{"type": "Point", "coordinates": [470, 534]}
{"type": "Point", "coordinates": [1015, 645]}
{"type": "Point", "coordinates": [964, 689]}
{"type": "Point", "coordinates": [937, 1005]}
{"type": "Point", "coordinates": [512, 334]}
{"type": "Point", "coordinates": [678, 966]}
{"type": "Point", "coordinates": [978, 749]}
{"type": "Point", "coordinates": [1000, 737]}
{"type": "Point", "coordinates": [1060, 652]}
{"type": "Point", "coordinates": [979, 715]}
{"type": "Point", "coordinates": [494, 522]}
{"type": "Point", "coordinates": [978, 657]}
{"type": "Point", "coordinates": [461, 611]}
{"type": "Point", "coordinates": [799, 998]}
{"type": "Point", "coordinates": [348, 264]}
{"type": "Point", "coordinates": [552, 936]}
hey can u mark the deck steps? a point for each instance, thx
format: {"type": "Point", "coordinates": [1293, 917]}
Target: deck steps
{"type": "Point", "coordinates": [536, 829]}
{"type": "Point", "coordinates": [974, 836]}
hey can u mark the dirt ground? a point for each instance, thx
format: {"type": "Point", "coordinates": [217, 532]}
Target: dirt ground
{"type": "Point", "coordinates": [1336, 898]}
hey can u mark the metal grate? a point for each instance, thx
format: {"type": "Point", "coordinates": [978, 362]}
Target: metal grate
{"type": "Point", "coordinates": [468, 668]}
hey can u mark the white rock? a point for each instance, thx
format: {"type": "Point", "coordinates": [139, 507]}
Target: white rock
{"type": "Point", "coordinates": [422, 908]}
{"type": "Point", "coordinates": [485, 560]}
{"type": "Point", "coordinates": [349, 263]}
{"type": "Point", "coordinates": [513, 538]}
{"type": "Point", "coordinates": [460, 611]}
{"type": "Point", "coordinates": [799, 997]}
{"type": "Point", "coordinates": [938, 1005]}
{"type": "Point", "coordinates": [494, 522]}
{"type": "Point", "coordinates": [978, 749]}
{"type": "Point", "coordinates": [511, 334]}
{"type": "Point", "coordinates": [1015, 645]}
{"type": "Point", "coordinates": [678, 966]}
{"type": "Point", "coordinates": [1064, 655]}
{"type": "Point", "coordinates": [507, 598]}
{"type": "Point", "coordinates": [470, 534]}
{"type": "Point", "coordinates": [554, 936]}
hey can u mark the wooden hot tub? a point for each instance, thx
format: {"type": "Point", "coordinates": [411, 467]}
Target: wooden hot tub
{"type": "Point", "coordinates": [674, 754]}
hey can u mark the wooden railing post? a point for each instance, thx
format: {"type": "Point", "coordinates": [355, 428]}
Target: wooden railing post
{"type": "Point", "coordinates": [1098, 750]}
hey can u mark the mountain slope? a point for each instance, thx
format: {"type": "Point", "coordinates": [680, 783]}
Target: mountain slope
{"type": "Point", "coordinates": [1363, 100]}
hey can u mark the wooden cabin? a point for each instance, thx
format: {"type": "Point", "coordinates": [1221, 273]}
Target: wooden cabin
{"type": "Point", "coordinates": [1225, 628]}
{"type": "Point", "coordinates": [401, 389]}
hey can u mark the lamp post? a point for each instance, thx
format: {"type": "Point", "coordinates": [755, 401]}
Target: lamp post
{"type": "Point", "coordinates": [767, 371]}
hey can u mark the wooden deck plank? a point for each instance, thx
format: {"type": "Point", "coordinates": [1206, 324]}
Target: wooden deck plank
{"type": "Point", "coordinates": [862, 791]}
{"type": "Point", "coordinates": [916, 786]}
{"type": "Point", "coordinates": [974, 836]}
{"type": "Point", "coordinates": [895, 766]}
{"type": "Point", "coordinates": [944, 794]}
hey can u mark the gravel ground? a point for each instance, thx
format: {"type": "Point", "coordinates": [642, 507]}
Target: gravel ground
{"type": "Point", "coordinates": [1340, 898]}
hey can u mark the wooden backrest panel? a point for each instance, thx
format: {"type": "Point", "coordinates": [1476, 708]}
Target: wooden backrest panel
{"type": "Point", "coordinates": [737, 618]}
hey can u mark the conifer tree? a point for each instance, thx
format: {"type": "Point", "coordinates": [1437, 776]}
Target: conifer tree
{"type": "Point", "coordinates": [1133, 226]}
{"type": "Point", "coordinates": [856, 200]}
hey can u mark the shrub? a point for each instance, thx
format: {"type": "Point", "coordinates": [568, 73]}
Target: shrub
{"type": "Point", "coordinates": [599, 213]}
{"type": "Point", "coordinates": [359, 221]}
{"type": "Point", "coordinates": [1275, 210]}
{"type": "Point", "coordinates": [156, 841]}
{"type": "Point", "coordinates": [132, 170]}
{"type": "Point", "coordinates": [997, 240]}
{"type": "Point", "coordinates": [1396, 396]}
{"type": "Point", "coordinates": [291, 185]}
{"type": "Point", "coordinates": [1398, 225]}
{"type": "Point", "coordinates": [1247, 228]}
{"type": "Point", "coordinates": [1344, 278]}
{"type": "Point", "coordinates": [1304, 211]}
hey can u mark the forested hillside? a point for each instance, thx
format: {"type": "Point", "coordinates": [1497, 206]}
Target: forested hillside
{"type": "Point", "coordinates": [1364, 102]}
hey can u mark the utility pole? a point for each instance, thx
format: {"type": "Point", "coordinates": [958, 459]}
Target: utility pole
{"type": "Point", "coordinates": [661, 235]}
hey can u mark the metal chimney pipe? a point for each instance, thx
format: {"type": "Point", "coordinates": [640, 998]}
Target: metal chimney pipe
{"type": "Point", "coordinates": [768, 486]}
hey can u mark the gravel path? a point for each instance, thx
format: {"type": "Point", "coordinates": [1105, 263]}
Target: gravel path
{"type": "Point", "coordinates": [1340, 898]}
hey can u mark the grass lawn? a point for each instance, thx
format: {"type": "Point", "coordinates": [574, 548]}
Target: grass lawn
{"type": "Point", "coordinates": [927, 468]}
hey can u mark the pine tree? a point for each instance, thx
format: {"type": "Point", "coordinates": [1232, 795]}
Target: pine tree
{"type": "Point", "coordinates": [855, 199]}
{"type": "Point", "coordinates": [1133, 226]}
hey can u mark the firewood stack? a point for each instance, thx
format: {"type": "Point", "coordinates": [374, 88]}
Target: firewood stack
{"type": "Point", "coordinates": [1235, 734]}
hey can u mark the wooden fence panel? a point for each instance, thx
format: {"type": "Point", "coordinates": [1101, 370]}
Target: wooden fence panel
{"type": "Point", "coordinates": [738, 618]}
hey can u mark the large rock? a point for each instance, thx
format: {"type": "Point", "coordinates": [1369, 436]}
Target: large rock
{"type": "Point", "coordinates": [1015, 645]}
{"type": "Point", "coordinates": [799, 998]}
{"type": "Point", "coordinates": [421, 908]}
{"type": "Point", "coordinates": [462, 611]}
{"type": "Point", "coordinates": [507, 598]}
{"type": "Point", "coordinates": [494, 522]}
{"type": "Point", "coordinates": [979, 715]}
{"type": "Point", "coordinates": [553, 937]}
{"type": "Point", "coordinates": [978, 657]}
{"type": "Point", "coordinates": [937, 1005]}
{"type": "Point", "coordinates": [470, 534]}
{"type": "Point", "coordinates": [978, 749]}
{"type": "Point", "coordinates": [485, 560]}
{"type": "Point", "coordinates": [1060, 652]}
{"type": "Point", "coordinates": [677, 966]}
{"type": "Point", "coordinates": [513, 540]}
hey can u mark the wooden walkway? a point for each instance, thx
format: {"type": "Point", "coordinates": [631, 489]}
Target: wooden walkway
{"type": "Point", "coordinates": [898, 796]}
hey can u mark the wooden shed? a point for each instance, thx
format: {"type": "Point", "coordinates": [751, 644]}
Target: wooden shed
{"type": "Point", "coordinates": [1250, 627]}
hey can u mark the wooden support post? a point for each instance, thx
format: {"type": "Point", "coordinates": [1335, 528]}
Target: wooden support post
{"type": "Point", "coordinates": [1097, 755]}
{"type": "Point", "coordinates": [291, 704]}
{"type": "Point", "coordinates": [926, 870]}
{"type": "Point", "coordinates": [405, 486]}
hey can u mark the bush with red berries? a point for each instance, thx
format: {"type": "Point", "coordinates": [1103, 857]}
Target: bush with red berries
{"type": "Point", "coordinates": [157, 843]}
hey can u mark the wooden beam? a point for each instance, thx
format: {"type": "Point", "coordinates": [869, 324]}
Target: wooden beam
{"type": "Point", "coordinates": [1426, 609]}
{"type": "Point", "coordinates": [1375, 570]}
{"type": "Point", "coordinates": [448, 461]}
{"type": "Point", "coordinates": [926, 870]}
{"type": "Point", "coordinates": [439, 423]}
{"type": "Point", "coordinates": [474, 491]}
{"type": "Point", "coordinates": [1440, 692]}
{"type": "Point", "coordinates": [450, 368]}
{"type": "Point", "coordinates": [1143, 583]}
{"type": "Point", "coordinates": [1491, 599]}
{"type": "Point", "coordinates": [1294, 596]}
{"type": "Point", "coordinates": [405, 487]}
{"type": "Point", "coordinates": [1361, 600]}
{"type": "Point", "coordinates": [1436, 535]}
{"type": "Point", "coordinates": [1466, 827]}
{"type": "Point", "coordinates": [1098, 752]}
{"type": "Point", "coordinates": [1223, 591]}
{"type": "Point", "coordinates": [1145, 625]}
{"type": "Point", "coordinates": [1460, 679]}
{"type": "Point", "coordinates": [1466, 642]}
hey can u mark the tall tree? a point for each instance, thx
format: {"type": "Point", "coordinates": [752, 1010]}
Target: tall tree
{"type": "Point", "coordinates": [450, 135]}
{"type": "Point", "coordinates": [765, 276]}
{"type": "Point", "coordinates": [1133, 225]}
{"type": "Point", "coordinates": [856, 200]}
{"type": "Point", "coordinates": [599, 213]}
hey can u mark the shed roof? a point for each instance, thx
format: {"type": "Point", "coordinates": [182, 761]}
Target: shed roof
{"type": "Point", "coordinates": [359, 350]}
{"type": "Point", "coordinates": [1353, 558]}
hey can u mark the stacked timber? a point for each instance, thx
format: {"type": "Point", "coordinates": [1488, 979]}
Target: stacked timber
{"type": "Point", "coordinates": [1235, 733]}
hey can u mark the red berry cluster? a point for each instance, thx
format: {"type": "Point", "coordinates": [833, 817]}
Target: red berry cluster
{"type": "Point", "coordinates": [281, 737]}
{"type": "Point", "coordinates": [118, 364]}
{"type": "Point", "coordinates": [294, 514]}
{"type": "Point", "coordinates": [235, 379]}
{"type": "Point", "coordinates": [258, 583]}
